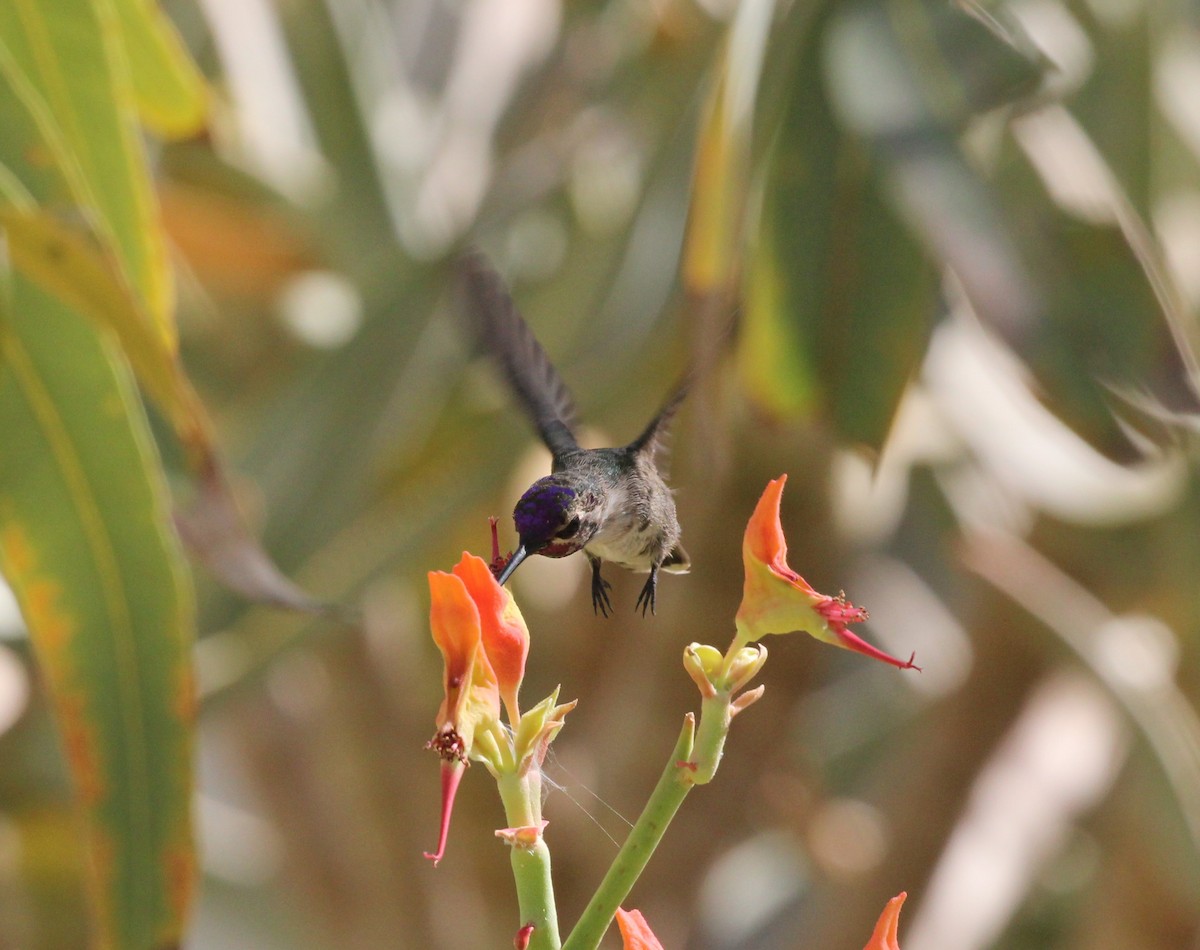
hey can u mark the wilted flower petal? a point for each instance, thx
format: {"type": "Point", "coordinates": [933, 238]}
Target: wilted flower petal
{"type": "Point", "coordinates": [775, 599]}
{"type": "Point", "coordinates": [635, 931]}
{"type": "Point", "coordinates": [887, 930]}
{"type": "Point", "coordinates": [525, 837]}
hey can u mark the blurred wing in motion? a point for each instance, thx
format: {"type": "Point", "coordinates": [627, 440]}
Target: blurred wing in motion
{"type": "Point", "coordinates": [650, 441]}
{"type": "Point", "coordinates": [507, 336]}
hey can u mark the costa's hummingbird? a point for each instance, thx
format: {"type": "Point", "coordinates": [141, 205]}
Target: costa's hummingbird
{"type": "Point", "coordinates": [610, 503]}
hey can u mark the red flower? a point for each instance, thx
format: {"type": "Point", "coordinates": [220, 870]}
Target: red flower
{"type": "Point", "coordinates": [775, 599]}
{"type": "Point", "coordinates": [886, 935]}
{"type": "Point", "coordinates": [635, 931]}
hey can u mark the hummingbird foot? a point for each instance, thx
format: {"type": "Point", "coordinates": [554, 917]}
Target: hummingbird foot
{"type": "Point", "coordinates": [600, 588]}
{"type": "Point", "coordinates": [646, 597]}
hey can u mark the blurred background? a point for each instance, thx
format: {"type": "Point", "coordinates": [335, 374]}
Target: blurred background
{"type": "Point", "coordinates": [949, 255]}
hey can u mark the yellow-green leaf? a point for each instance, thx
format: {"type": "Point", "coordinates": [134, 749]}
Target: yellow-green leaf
{"type": "Point", "coordinates": [64, 263]}
{"type": "Point", "coordinates": [842, 298]}
{"type": "Point", "coordinates": [775, 372]}
{"type": "Point", "coordinates": [711, 245]}
{"type": "Point", "coordinates": [720, 184]}
{"type": "Point", "coordinates": [67, 61]}
{"type": "Point", "coordinates": [171, 95]}
{"type": "Point", "coordinates": [38, 167]}
{"type": "Point", "coordinates": [86, 544]}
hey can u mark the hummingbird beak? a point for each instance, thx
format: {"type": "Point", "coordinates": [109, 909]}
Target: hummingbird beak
{"type": "Point", "coordinates": [513, 563]}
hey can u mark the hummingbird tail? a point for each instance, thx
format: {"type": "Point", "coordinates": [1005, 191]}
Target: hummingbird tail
{"type": "Point", "coordinates": [677, 562]}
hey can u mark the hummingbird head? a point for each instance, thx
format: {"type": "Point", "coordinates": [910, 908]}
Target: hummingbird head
{"type": "Point", "coordinates": [552, 519]}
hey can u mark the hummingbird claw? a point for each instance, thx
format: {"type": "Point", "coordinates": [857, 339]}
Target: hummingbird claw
{"type": "Point", "coordinates": [646, 597]}
{"type": "Point", "coordinates": [600, 588]}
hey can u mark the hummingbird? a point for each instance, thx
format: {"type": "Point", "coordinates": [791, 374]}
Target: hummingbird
{"type": "Point", "coordinates": [610, 503]}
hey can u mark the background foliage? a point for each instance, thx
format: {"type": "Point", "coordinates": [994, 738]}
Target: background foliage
{"type": "Point", "coordinates": [950, 252]}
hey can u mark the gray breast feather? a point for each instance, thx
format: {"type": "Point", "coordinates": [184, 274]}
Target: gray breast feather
{"type": "Point", "coordinates": [629, 537]}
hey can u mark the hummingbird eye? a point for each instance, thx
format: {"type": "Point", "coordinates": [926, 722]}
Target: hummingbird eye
{"type": "Point", "coordinates": [568, 529]}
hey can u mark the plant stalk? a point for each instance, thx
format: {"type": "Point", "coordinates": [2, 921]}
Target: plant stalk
{"type": "Point", "coordinates": [521, 795]}
{"type": "Point", "coordinates": [664, 802]}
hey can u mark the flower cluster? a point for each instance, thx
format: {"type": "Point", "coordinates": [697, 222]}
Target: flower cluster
{"type": "Point", "coordinates": [484, 644]}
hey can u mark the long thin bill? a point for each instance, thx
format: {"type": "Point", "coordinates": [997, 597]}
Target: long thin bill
{"type": "Point", "coordinates": [513, 563]}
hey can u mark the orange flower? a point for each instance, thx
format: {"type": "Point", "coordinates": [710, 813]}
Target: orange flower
{"type": "Point", "coordinates": [886, 935]}
{"type": "Point", "coordinates": [635, 931]}
{"type": "Point", "coordinates": [472, 695]}
{"type": "Point", "coordinates": [484, 642]}
{"type": "Point", "coordinates": [504, 634]}
{"type": "Point", "coordinates": [775, 599]}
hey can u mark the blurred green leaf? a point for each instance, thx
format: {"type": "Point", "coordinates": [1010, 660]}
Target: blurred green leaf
{"type": "Point", "coordinates": [976, 61]}
{"type": "Point", "coordinates": [33, 157]}
{"type": "Point", "coordinates": [42, 169]}
{"type": "Point", "coordinates": [170, 92]}
{"type": "Point", "coordinates": [913, 67]}
{"type": "Point", "coordinates": [850, 278]}
{"type": "Point", "coordinates": [65, 264]}
{"type": "Point", "coordinates": [721, 180]}
{"type": "Point", "coordinates": [324, 71]}
{"type": "Point", "coordinates": [86, 547]}
{"type": "Point", "coordinates": [1116, 103]}
{"type": "Point", "coordinates": [71, 268]}
{"type": "Point", "coordinates": [903, 99]}
{"type": "Point", "coordinates": [66, 61]}
{"type": "Point", "coordinates": [718, 198]}
{"type": "Point", "coordinates": [776, 373]}
{"type": "Point", "coordinates": [1103, 331]}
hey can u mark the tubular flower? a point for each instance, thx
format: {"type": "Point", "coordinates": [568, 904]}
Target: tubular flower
{"type": "Point", "coordinates": [484, 643]}
{"type": "Point", "coordinates": [502, 628]}
{"type": "Point", "coordinates": [886, 935]}
{"type": "Point", "coordinates": [472, 695]}
{"type": "Point", "coordinates": [775, 599]}
{"type": "Point", "coordinates": [635, 932]}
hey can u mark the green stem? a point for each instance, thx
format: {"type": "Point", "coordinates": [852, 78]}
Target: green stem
{"type": "Point", "coordinates": [522, 798]}
{"type": "Point", "coordinates": [535, 894]}
{"type": "Point", "coordinates": [710, 737]}
{"type": "Point", "coordinates": [741, 638]}
{"type": "Point", "coordinates": [664, 802]}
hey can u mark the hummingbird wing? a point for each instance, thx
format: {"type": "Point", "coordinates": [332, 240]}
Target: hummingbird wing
{"type": "Point", "coordinates": [529, 371]}
{"type": "Point", "coordinates": [650, 441]}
